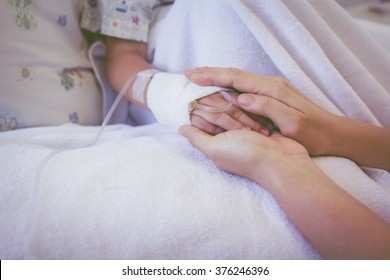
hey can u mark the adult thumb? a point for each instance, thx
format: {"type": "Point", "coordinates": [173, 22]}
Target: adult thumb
{"type": "Point", "coordinates": [198, 138]}
{"type": "Point", "coordinates": [265, 106]}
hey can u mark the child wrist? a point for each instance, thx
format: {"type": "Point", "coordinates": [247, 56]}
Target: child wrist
{"type": "Point", "coordinates": [141, 84]}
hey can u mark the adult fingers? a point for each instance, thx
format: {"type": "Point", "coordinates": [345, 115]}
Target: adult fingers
{"type": "Point", "coordinates": [283, 116]}
{"type": "Point", "coordinates": [198, 138]}
{"type": "Point", "coordinates": [276, 87]}
{"type": "Point", "coordinates": [224, 77]}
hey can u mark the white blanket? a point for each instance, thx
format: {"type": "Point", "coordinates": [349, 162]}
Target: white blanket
{"type": "Point", "coordinates": [146, 193]}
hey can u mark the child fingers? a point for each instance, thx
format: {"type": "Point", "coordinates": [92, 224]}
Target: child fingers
{"type": "Point", "coordinates": [204, 125]}
{"type": "Point", "coordinates": [245, 120]}
{"type": "Point", "coordinates": [231, 120]}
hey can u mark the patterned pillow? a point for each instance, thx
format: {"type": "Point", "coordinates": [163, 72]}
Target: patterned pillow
{"type": "Point", "coordinates": [45, 75]}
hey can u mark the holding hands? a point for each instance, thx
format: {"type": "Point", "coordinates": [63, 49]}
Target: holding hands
{"type": "Point", "coordinates": [231, 119]}
{"type": "Point", "coordinates": [334, 222]}
{"type": "Point", "coordinates": [319, 131]}
{"type": "Point", "coordinates": [280, 162]}
{"type": "Point", "coordinates": [275, 98]}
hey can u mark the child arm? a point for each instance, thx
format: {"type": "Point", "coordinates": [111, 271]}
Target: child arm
{"type": "Point", "coordinates": [125, 58]}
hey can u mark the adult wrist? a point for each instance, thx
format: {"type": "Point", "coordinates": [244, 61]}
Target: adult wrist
{"type": "Point", "coordinates": [285, 172]}
{"type": "Point", "coordinates": [340, 136]}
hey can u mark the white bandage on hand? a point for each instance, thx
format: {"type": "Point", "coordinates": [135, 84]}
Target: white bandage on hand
{"type": "Point", "coordinates": [169, 97]}
{"type": "Point", "coordinates": [141, 83]}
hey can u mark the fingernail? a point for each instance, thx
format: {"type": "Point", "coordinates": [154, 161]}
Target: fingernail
{"type": "Point", "coordinates": [264, 131]}
{"type": "Point", "coordinates": [245, 99]}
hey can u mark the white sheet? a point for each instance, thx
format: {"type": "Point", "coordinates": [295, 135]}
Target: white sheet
{"type": "Point", "coordinates": [139, 193]}
{"type": "Point", "coordinates": [145, 193]}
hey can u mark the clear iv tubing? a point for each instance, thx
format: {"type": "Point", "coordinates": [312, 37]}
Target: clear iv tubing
{"type": "Point", "coordinates": [35, 199]}
{"type": "Point", "coordinates": [213, 109]}
{"type": "Point", "coordinates": [107, 118]}
{"type": "Point", "coordinates": [35, 195]}
{"type": "Point", "coordinates": [93, 142]}
{"type": "Point", "coordinates": [130, 81]}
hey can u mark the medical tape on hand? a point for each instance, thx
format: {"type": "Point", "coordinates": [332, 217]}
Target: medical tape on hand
{"type": "Point", "coordinates": [141, 83]}
{"type": "Point", "coordinates": [169, 97]}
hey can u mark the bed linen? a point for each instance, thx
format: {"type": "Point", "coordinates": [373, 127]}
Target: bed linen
{"type": "Point", "coordinates": [146, 193]}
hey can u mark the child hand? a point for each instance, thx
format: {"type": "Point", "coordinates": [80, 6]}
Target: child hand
{"type": "Point", "coordinates": [231, 119]}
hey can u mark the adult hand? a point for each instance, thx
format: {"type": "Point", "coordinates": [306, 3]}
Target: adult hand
{"type": "Point", "coordinates": [275, 98]}
{"type": "Point", "coordinates": [248, 153]}
{"type": "Point", "coordinates": [283, 167]}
